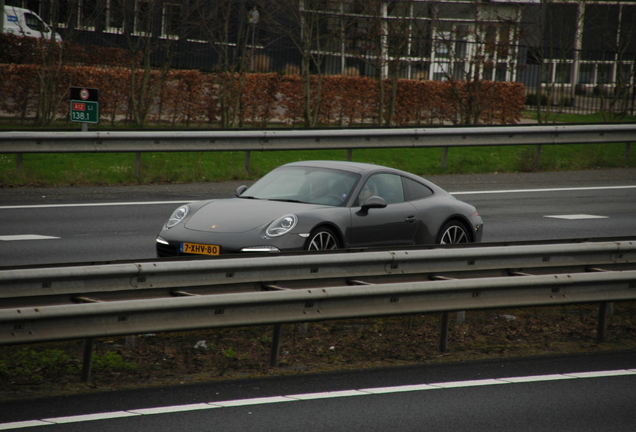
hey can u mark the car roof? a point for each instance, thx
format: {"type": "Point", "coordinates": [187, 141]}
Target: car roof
{"type": "Point", "coordinates": [356, 167]}
{"type": "Point", "coordinates": [18, 9]}
{"type": "Point", "coordinates": [366, 169]}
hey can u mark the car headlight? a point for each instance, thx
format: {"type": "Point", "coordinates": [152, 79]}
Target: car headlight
{"type": "Point", "coordinates": [178, 215]}
{"type": "Point", "coordinates": [282, 225]}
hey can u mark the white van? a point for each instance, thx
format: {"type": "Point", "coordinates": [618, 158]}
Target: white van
{"type": "Point", "coordinates": [23, 22]}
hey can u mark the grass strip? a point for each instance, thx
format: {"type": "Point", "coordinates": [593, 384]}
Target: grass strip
{"type": "Point", "coordinates": [119, 168]}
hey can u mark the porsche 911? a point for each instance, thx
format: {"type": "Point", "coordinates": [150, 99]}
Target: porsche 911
{"type": "Point", "coordinates": [321, 205]}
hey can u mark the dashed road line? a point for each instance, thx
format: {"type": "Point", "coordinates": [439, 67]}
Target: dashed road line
{"type": "Point", "coordinates": [577, 217]}
{"type": "Point", "coordinates": [21, 237]}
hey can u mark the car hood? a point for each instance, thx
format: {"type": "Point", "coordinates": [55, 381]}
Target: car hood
{"type": "Point", "coordinates": [240, 215]}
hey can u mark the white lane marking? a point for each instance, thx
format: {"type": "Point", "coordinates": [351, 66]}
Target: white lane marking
{"type": "Point", "coordinates": [544, 190]}
{"type": "Point", "coordinates": [172, 409]}
{"type": "Point", "coordinates": [253, 401]}
{"type": "Point", "coordinates": [89, 417]}
{"type": "Point", "coordinates": [22, 424]}
{"type": "Point", "coordinates": [328, 395]}
{"type": "Point", "coordinates": [577, 217]}
{"type": "Point", "coordinates": [538, 378]}
{"type": "Point", "coordinates": [400, 389]}
{"type": "Point", "coordinates": [187, 201]}
{"type": "Point", "coordinates": [609, 373]}
{"type": "Point", "coordinates": [473, 383]}
{"type": "Point", "coordinates": [26, 237]}
{"type": "Point", "coordinates": [316, 396]}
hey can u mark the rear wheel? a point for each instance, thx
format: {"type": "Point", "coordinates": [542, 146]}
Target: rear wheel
{"type": "Point", "coordinates": [452, 233]}
{"type": "Point", "coordinates": [322, 239]}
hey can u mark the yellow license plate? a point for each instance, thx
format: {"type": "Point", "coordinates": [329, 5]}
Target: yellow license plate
{"type": "Point", "coordinates": [201, 249]}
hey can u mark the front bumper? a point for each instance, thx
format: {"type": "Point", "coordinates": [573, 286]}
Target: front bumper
{"type": "Point", "coordinates": [293, 242]}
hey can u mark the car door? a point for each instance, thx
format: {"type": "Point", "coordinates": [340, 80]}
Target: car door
{"type": "Point", "coordinates": [394, 224]}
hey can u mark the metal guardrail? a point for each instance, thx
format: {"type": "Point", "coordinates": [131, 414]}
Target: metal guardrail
{"type": "Point", "coordinates": [150, 279]}
{"type": "Point", "coordinates": [349, 139]}
{"type": "Point", "coordinates": [72, 302]}
{"type": "Point", "coordinates": [306, 288]}
{"type": "Point", "coordinates": [98, 142]}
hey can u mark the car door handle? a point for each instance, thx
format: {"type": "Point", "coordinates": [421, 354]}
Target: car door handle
{"type": "Point", "coordinates": [410, 219]}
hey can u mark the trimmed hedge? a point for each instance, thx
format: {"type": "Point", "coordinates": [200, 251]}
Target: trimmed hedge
{"type": "Point", "coordinates": [190, 97]}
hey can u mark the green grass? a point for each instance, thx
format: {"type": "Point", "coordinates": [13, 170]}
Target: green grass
{"type": "Point", "coordinates": [119, 168]}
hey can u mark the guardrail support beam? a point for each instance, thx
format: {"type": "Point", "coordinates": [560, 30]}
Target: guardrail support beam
{"type": "Point", "coordinates": [444, 158]}
{"type": "Point", "coordinates": [137, 165]}
{"type": "Point", "coordinates": [537, 156]}
{"type": "Point", "coordinates": [18, 164]}
{"type": "Point", "coordinates": [443, 335]}
{"type": "Point", "coordinates": [246, 162]}
{"type": "Point", "coordinates": [604, 309]}
{"type": "Point", "coordinates": [274, 354]}
{"type": "Point", "coordinates": [87, 363]}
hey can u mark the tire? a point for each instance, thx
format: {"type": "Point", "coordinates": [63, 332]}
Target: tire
{"type": "Point", "coordinates": [322, 239]}
{"type": "Point", "coordinates": [453, 232]}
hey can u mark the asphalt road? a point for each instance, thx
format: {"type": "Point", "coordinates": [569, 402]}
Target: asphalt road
{"type": "Point", "coordinates": [593, 392]}
{"type": "Point", "coordinates": [88, 224]}
{"type": "Point", "coordinates": [196, 191]}
{"type": "Point", "coordinates": [539, 394]}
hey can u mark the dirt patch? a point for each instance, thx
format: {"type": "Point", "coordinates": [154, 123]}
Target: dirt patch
{"type": "Point", "coordinates": [207, 355]}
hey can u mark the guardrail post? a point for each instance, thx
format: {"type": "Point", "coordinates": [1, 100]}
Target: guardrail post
{"type": "Point", "coordinates": [87, 363]}
{"type": "Point", "coordinates": [349, 154]}
{"type": "Point", "coordinates": [537, 156]}
{"type": "Point", "coordinates": [273, 356]}
{"type": "Point", "coordinates": [461, 317]}
{"type": "Point", "coordinates": [137, 164]}
{"type": "Point", "coordinates": [444, 157]}
{"type": "Point", "coordinates": [18, 164]}
{"type": "Point", "coordinates": [130, 342]}
{"type": "Point", "coordinates": [604, 309]}
{"type": "Point", "coordinates": [246, 162]}
{"type": "Point", "coordinates": [443, 335]}
{"type": "Point", "coordinates": [627, 148]}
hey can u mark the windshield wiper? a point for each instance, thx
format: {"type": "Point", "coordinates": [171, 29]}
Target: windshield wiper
{"type": "Point", "coordinates": [285, 200]}
{"type": "Point", "coordinates": [248, 197]}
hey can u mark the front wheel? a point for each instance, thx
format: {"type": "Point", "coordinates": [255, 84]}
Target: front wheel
{"type": "Point", "coordinates": [453, 233]}
{"type": "Point", "coordinates": [322, 239]}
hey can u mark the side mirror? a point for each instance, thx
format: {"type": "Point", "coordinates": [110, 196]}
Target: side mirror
{"type": "Point", "coordinates": [240, 190]}
{"type": "Point", "coordinates": [373, 202]}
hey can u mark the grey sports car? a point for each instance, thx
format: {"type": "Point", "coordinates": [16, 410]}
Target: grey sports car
{"type": "Point", "coordinates": [319, 205]}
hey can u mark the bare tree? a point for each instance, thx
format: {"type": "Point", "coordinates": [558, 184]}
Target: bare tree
{"type": "Point", "coordinates": [52, 87]}
{"type": "Point", "coordinates": [142, 29]}
{"type": "Point", "coordinates": [615, 28]}
{"type": "Point", "coordinates": [381, 35]}
{"type": "Point", "coordinates": [229, 29]}
{"type": "Point", "coordinates": [309, 26]}
{"type": "Point", "coordinates": [473, 42]}
{"type": "Point", "coordinates": [554, 35]}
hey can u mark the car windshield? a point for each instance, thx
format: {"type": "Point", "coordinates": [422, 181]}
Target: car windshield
{"type": "Point", "coordinates": [305, 184]}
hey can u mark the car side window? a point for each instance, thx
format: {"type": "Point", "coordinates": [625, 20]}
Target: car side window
{"type": "Point", "coordinates": [415, 190]}
{"type": "Point", "coordinates": [387, 186]}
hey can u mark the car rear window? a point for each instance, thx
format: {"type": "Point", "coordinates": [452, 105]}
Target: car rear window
{"type": "Point", "coordinates": [414, 190]}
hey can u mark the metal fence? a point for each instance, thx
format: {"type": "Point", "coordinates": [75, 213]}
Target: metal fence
{"type": "Point", "coordinates": [559, 82]}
